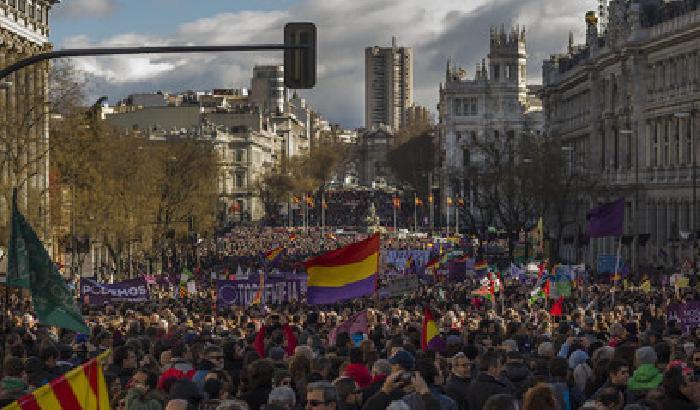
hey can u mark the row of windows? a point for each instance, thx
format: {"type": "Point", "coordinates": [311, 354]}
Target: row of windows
{"type": "Point", "coordinates": [31, 9]}
{"type": "Point", "coordinates": [678, 71]}
{"type": "Point", "coordinates": [466, 106]}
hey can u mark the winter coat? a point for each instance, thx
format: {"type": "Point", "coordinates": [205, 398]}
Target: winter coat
{"type": "Point", "coordinates": [519, 376]}
{"type": "Point", "coordinates": [456, 388]}
{"type": "Point", "coordinates": [256, 397]}
{"type": "Point", "coordinates": [677, 402]}
{"type": "Point", "coordinates": [381, 401]}
{"type": "Point", "coordinates": [374, 387]}
{"type": "Point", "coordinates": [482, 388]}
{"type": "Point", "coordinates": [646, 377]}
{"type": "Point", "coordinates": [137, 400]}
{"type": "Point", "coordinates": [359, 373]}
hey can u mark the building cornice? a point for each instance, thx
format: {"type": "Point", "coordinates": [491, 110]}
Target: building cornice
{"type": "Point", "coordinates": [22, 31]}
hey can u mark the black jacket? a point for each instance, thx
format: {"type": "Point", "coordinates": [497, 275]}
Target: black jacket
{"type": "Point", "coordinates": [519, 376]}
{"type": "Point", "coordinates": [482, 388]}
{"type": "Point", "coordinates": [456, 388]}
{"type": "Point", "coordinates": [381, 401]}
{"type": "Point", "coordinates": [257, 397]}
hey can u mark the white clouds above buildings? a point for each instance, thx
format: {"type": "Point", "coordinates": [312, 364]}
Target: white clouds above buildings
{"type": "Point", "coordinates": [436, 30]}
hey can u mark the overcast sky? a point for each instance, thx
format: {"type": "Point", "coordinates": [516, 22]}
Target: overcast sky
{"type": "Point", "coordinates": [436, 29]}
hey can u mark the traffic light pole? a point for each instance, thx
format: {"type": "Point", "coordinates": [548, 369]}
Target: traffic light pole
{"type": "Point", "coordinates": [83, 52]}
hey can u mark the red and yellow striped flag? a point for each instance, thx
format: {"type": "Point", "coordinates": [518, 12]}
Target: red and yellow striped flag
{"type": "Point", "coordinates": [81, 388]}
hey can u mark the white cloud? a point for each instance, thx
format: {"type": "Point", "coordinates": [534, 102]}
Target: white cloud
{"type": "Point", "coordinates": [444, 29]}
{"type": "Point", "coordinates": [84, 8]}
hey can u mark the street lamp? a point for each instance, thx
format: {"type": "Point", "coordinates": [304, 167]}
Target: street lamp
{"type": "Point", "coordinates": [636, 199]}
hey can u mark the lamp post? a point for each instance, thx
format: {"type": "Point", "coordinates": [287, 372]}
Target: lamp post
{"type": "Point", "coordinates": [635, 224]}
{"type": "Point", "coordinates": [689, 116]}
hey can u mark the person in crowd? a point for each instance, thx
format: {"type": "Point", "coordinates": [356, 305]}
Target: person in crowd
{"type": "Point", "coordinates": [486, 383]}
{"type": "Point", "coordinates": [502, 402]}
{"type": "Point", "coordinates": [349, 393]}
{"type": "Point", "coordinates": [357, 370]}
{"type": "Point", "coordinates": [143, 394]}
{"type": "Point", "coordinates": [381, 369]}
{"type": "Point", "coordinates": [283, 398]}
{"type": "Point", "coordinates": [646, 376]}
{"type": "Point", "coordinates": [458, 382]}
{"type": "Point", "coordinates": [541, 397]}
{"type": "Point", "coordinates": [14, 381]}
{"type": "Point", "coordinates": [321, 396]}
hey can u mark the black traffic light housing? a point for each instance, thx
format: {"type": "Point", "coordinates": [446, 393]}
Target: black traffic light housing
{"type": "Point", "coordinates": [300, 63]}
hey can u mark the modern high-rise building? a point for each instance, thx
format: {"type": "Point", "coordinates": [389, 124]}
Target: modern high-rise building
{"type": "Point", "coordinates": [267, 88]}
{"type": "Point", "coordinates": [24, 119]}
{"type": "Point", "coordinates": [388, 85]}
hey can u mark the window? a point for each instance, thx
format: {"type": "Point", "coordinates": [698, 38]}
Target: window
{"type": "Point", "coordinates": [602, 151]}
{"type": "Point", "coordinates": [474, 106]}
{"type": "Point", "coordinates": [666, 145]}
{"type": "Point", "coordinates": [466, 157]}
{"type": "Point", "coordinates": [240, 180]}
{"type": "Point", "coordinates": [616, 149]}
{"type": "Point", "coordinates": [654, 144]}
{"type": "Point", "coordinates": [629, 151]}
{"type": "Point", "coordinates": [457, 104]}
{"type": "Point", "coordinates": [22, 5]}
{"type": "Point", "coordinates": [239, 155]}
{"type": "Point", "coordinates": [496, 71]}
{"type": "Point", "coordinates": [688, 145]}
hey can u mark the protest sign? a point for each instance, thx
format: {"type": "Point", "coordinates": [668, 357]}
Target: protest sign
{"type": "Point", "coordinates": [276, 290]}
{"type": "Point", "coordinates": [134, 290]}
{"type": "Point", "coordinates": [687, 314]}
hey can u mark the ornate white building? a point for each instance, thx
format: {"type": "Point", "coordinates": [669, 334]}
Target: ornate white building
{"type": "Point", "coordinates": [627, 102]}
{"type": "Point", "coordinates": [495, 105]}
{"type": "Point", "coordinates": [24, 119]}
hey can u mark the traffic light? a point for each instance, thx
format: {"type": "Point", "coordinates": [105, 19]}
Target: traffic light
{"type": "Point", "coordinates": [300, 63]}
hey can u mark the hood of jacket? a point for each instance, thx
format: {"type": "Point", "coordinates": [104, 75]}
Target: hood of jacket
{"type": "Point", "coordinates": [516, 372]}
{"type": "Point", "coordinates": [646, 377]}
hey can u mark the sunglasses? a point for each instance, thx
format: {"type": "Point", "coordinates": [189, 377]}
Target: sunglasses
{"type": "Point", "coordinates": [315, 403]}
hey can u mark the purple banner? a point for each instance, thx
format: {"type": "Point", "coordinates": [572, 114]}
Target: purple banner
{"type": "Point", "coordinates": [606, 219]}
{"type": "Point", "coordinates": [687, 314]}
{"type": "Point", "coordinates": [95, 293]}
{"type": "Point", "coordinates": [277, 290]}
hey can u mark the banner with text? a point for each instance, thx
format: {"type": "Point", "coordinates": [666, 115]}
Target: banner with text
{"type": "Point", "coordinates": [687, 314]}
{"type": "Point", "coordinates": [95, 293]}
{"type": "Point", "coordinates": [277, 290]}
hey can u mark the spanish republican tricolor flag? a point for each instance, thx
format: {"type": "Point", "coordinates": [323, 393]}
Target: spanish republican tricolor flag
{"type": "Point", "coordinates": [83, 388]}
{"type": "Point", "coordinates": [273, 254]}
{"type": "Point", "coordinates": [430, 329]}
{"type": "Point", "coordinates": [344, 273]}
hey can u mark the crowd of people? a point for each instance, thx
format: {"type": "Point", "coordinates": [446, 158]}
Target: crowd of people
{"type": "Point", "coordinates": [607, 350]}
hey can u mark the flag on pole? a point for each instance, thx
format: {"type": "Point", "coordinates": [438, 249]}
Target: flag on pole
{"type": "Point", "coordinates": [29, 266]}
{"type": "Point", "coordinates": [397, 202]}
{"type": "Point", "coordinates": [418, 202]}
{"type": "Point", "coordinates": [81, 388]}
{"type": "Point", "coordinates": [606, 219]}
{"type": "Point", "coordinates": [557, 307]}
{"type": "Point", "coordinates": [273, 254]}
{"type": "Point", "coordinates": [430, 330]}
{"type": "Point", "coordinates": [257, 299]}
{"type": "Point", "coordinates": [344, 273]}
{"type": "Point", "coordinates": [356, 323]}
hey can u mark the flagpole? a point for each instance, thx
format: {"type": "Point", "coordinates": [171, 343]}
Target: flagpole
{"type": "Point", "coordinates": [447, 221]}
{"type": "Point", "coordinates": [323, 213]}
{"type": "Point", "coordinates": [457, 219]}
{"type": "Point", "coordinates": [415, 212]}
{"type": "Point", "coordinates": [617, 263]}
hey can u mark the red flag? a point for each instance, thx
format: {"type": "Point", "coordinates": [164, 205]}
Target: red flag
{"type": "Point", "coordinates": [259, 343]}
{"type": "Point", "coordinates": [290, 338]}
{"type": "Point", "coordinates": [546, 288]}
{"type": "Point", "coordinates": [356, 323]}
{"type": "Point", "coordinates": [557, 307]}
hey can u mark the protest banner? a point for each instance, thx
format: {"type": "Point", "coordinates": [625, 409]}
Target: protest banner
{"type": "Point", "coordinates": [277, 290]}
{"type": "Point", "coordinates": [398, 258]}
{"type": "Point", "coordinates": [95, 293]}
{"type": "Point", "coordinates": [401, 285]}
{"type": "Point", "coordinates": [687, 314]}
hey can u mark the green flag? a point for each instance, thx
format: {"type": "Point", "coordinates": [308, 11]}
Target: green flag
{"type": "Point", "coordinates": [29, 266]}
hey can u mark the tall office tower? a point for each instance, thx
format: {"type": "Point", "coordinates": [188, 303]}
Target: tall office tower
{"type": "Point", "coordinates": [388, 85]}
{"type": "Point", "coordinates": [267, 88]}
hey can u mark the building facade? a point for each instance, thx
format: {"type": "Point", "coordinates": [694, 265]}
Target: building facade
{"type": "Point", "coordinates": [267, 88]}
{"type": "Point", "coordinates": [388, 85]}
{"type": "Point", "coordinates": [372, 148]}
{"type": "Point", "coordinates": [496, 106]}
{"type": "Point", "coordinates": [626, 103]}
{"type": "Point", "coordinates": [24, 114]}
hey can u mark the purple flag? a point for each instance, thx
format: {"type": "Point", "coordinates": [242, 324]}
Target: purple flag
{"type": "Point", "coordinates": [606, 219]}
{"type": "Point", "coordinates": [355, 324]}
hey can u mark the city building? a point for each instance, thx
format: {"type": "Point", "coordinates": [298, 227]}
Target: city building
{"type": "Point", "coordinates": [418, 115]}
{"type": "Point", "coordinates": [627, 104]}
{"type": "Point", "coordinates": [267, 88]}
{"type": "Point", "coordinates": [388, 85]}
{"type": "Point", "coordinates": [24, 116]}
{"type": "Point", "coordinates": [495, 106]}
{"type": "Point", "coordinates": [372, 149]}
